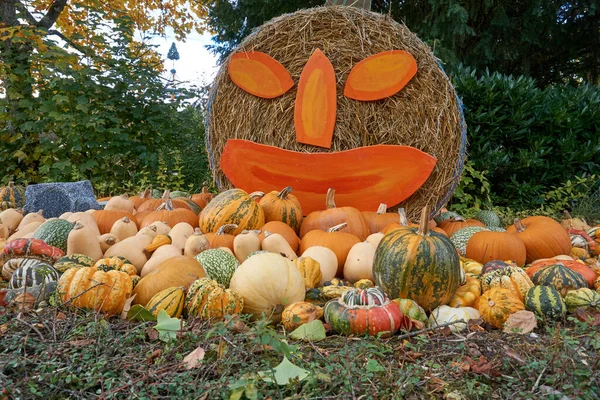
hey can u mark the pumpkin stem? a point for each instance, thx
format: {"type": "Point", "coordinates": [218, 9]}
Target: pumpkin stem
{"type": "Point", "coordinates": [519, 225]}
{"type": "Point", "coordinates": [329, 199]}
{"type": "Point", "coordinates": [146, 194]}
{"type": "Point", "coordinates": [403, 219]}
{"type": "Point", "coordinates": [124, 196]}
{"type": "Point", "coordinates": [166, 195]}
{"type": "Point", "coordinates": [424, 223]}
{"type": "Point", "coordinates": [197, 231]}
{"type": "Point", "coordinates": [226, 228]}
{"type": "Point", "coordinates": [78, 225]}
{"type": "Point", "coordinates": [126, 220]}
{"type": "Point", "coordinates": [110, 240]}
{"type": "Point", "coordinates": [284, 192]}
{"type": "Point", "coordinates": [256, 195]}
{"type": "Point", "coordinates": [338, 227]}
{"type": "Point", "coordinates": [11, 184]}
{"type": "Point", "coordinates": [382, 209]}
{"type": "Point", "coordinates": [204, 190]}
{"type": "Point", "coordinates": [167, 205]}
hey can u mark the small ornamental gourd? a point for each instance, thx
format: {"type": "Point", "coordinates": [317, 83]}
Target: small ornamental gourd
{"type": "Point", "coordinates": [471, 267]}
{"type": "Point", "coordinates": [365, 311]}
{"type": "Point", "coordinates": [116, 263]}
{"type": "Point", "coordinates": [488, 217]}
{"type": "Point", "coordinates": [300, 313]}
{"type": "Point", "coordinates": [17, 251]}
{"type": "Point", "coordinates": [171, 300]}
{"type": "Point", "coordinates": [412, 310]}
{"type": "Point", "coordinates": [219, 265]}
{"type": "Point", "coordinates": [497, 304]}
{"type": "Point", "coordinates": [206, 299]}
{"type": "Point", "coordinates": [578, 266]}
{"type": "Point", "coordinates": [73, 261]}
{"type": "Point", "coordinates": [416, 264]}
{"type": "Point", "coordinates": [467, 294]}
{"type": "Point", "coordinates": [560, 278]}
{"type": "Point", "coordinates": [514, 279]}
{"type": "Point", "coordinates": [55, 232]}
{"type": "Point", "coordinates": [310, 270]}
{"type": "Point", "coordinates": [546, 302]}
{"type": "Point", "coordinates": [446, 314]}
{"type": "Point", "coordinates": [33, 272]}
{"type": "Point", "coordinates": [12, 196]}
{"type": "Point", "coordinates": [582, 298]}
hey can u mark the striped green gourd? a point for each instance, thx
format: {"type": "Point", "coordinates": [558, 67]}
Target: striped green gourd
{"type": "Point", "coordinates": [546, 302]}
{"type": "Point", "coordinates": [12, 196]}
{"type": "Point", "coordinates": [32, 272]}
{"type": "Point", "coordinates": [55, 232]}
{"type": "Point", "coordinates": [171, 300]}
{"type": "Point", "coordinates": [560, 278]}
{"type": "Point", "coordinates": [461, 237]}
{"type": "Point", "coordinates": [582, 298]}
{"type": "Point", "coordinates": [416, 264]}
{"type": "Point", "coordinates": [218, 265]}
{"type": "Point", "coordinates": [73, 261]}
{"type": "Point", "coordinates": [233, 206]}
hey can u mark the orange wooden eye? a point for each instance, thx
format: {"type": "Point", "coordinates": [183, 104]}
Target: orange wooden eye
{"type": "Point", "coordinates": [259, 74]}
{"type": "Point", "coordinates": [381, 75]}
{"type": "Point", "coordinates": [316, 102]}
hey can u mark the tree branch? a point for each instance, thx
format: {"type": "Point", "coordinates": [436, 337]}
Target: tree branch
{"type": "Point", "coordinates": [53, 13]}
{"type": "Point", "coordinates": [23, 11]}
{"type": "Point", "coordinates": [71, 43]}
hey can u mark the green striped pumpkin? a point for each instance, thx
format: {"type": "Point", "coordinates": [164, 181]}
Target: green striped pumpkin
{"type": "Point", "coordinates": [55, 232]}
{"type": "Point", "coordinates": [218, 264]}
{"type": "Point", "coordinates": [207, 299]}
{"type": "Point", "coordinates": [584, 297]}
{"type": "Point", "coordinates": [560, 278]}
{"type": "Point", "coordinates": [546, 302]}
{"type": "Point", "coordinates": [171, 300]}
{"type": "Point", "coordinates": [416, 264]}
{"type": "Point", "coordinates": [461, 237]}
{"type": "Point", "coordinates": [73, 261]}
{"type": "Point", "coordinates": [233, 206]}
{"type": "Point", "coordinates": [12, 196]}
{"type": "Point", "coordinates": [32, 272]}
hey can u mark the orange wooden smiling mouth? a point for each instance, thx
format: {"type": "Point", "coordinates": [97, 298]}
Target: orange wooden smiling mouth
{"type": "Point", "coordinates": [363, 177]}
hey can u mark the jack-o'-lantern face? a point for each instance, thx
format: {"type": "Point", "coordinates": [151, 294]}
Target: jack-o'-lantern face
{"type": "Point", "coordinates": [374, 78]}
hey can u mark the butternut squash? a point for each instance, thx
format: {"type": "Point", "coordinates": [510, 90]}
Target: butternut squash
{"type": "Point", "coordinates": [276, 243]}
{"type": "Point", "coordinates": [158, 256]}
{"type": "Point", "coordinates": [121, 202]}
{"type": "Point", "coordinates": [86, 220]}
{"type": "Point", "coordinates": [106, 241]}
{"type": "Point", "coordinates": [124, 228]}
{"type": "Point", "coordinates": [359, 263]}
{"type": "Point", "coordinates": [4, 231]}
{"type": "Point", "coordinates": [196, 244]}
{"type": "Point", "coordinates": [162, 228]}
{"type": "Point", "coordinates": [375, 238]}
{"type": "Point", "coordinates": [148, 231]}
{"type": "Point", "coordinates": [132, 249]}
{"type": "Point", "coordinates": [327, 261]}
{"type": "Point", "coordinates": [245, 244]}
{"type": "Point", "coordinates": [83, 240]}
{"type": "Point", "coordinates": [180, 233]}
{"type": "Point", "coordinates": [22, 231]}
{"type": "Point", "coordinates": [65, 215]}
{"type": "Point", "coordinates": [11, 218]}
{"type": "Point", "coordinates": [32, 217]}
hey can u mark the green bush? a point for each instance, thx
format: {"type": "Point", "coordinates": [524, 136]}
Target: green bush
{"type": "Point", "coordinates": [529, 140]}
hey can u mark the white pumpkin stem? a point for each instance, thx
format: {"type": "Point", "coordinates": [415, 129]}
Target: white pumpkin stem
{"type": "Point", "coordinates": [382, 209]}
{"type": "Point", "coordinates": [329, 199]}
{"type": "Point", "coordinates": [402, 215]}
{"type": "Point", "coordinates": [256, 195]}
{"type": "Point", "coordinates": [338, 227]}
{"type": "Point", "coordinates": [424, 223]}
{"type": "Point", "coordinates": [226, 228]}
{"type": "Point", "coordinates": [166, 194]}
{"type": "Point", "coordinates": [519, 225]}
{"type": "Point", "coordinates": [284, 192]}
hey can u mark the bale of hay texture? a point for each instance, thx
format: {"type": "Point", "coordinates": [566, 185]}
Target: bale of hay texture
{"type": "Point", "coordinates": [425, 114]}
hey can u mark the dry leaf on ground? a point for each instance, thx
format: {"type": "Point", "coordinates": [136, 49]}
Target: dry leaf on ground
{"type": "Point", "coordinates": [520, 322]}
{"type": "Point", "coordinates": [484, 367]}
{"type": "Point", "coordinates": [193, 359]}
{"type": "Point", "coordinates": [127, 306]}
{"type": "Point", "coordinates": [589, 315]}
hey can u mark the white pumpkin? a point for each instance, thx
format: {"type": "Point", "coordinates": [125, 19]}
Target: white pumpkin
{"type": "Point", "coordinates": [445, 314]}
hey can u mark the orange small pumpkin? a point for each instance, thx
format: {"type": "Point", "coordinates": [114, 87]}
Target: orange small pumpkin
{"type": "Point", "coordinates": [543, 237]}
{"type": "Point", "coordinates": [105, 219]}
{"type": "Point", "coordinates": [282, 206]}
{"type": "Point", "coordinates": [154, 204]}
{"type": "Point", "coordinates": [332, 216]}
{"type": "Point", "coordinates": [403, 222]}
{"type": "Point", "coordinates": [487, 246]}
{"type": "Point", "coordinates": [453, 224]}
{"type": "Point", "coordinates": [138, 200]}
{"type": "Point", "coordinates": [378, 220]}
{"type": "Point", "coordinates": [497, 304]}
{"type": "Point", "coordinates": [202, 198]}
{"type": "Point", "coordinates": [334, 239]}
{"type": "Point", "coordinates": [222, 237]}
{"type": "Point", "coordinates": [166, 212]}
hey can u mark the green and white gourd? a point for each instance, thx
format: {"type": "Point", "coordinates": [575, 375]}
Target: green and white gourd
{"type": "Point", "coordinates": [218, 265]}
{"type": "Point", "coordinates": [546, 302]}
{"type": "Point", "coordinates": [489, 218]}
{"type": "Point", "coordinates": [33, 272]}
{"type": "Point", "coordinates": [461, 237]}
{"type": "Point", "coordinates": [55, 232]}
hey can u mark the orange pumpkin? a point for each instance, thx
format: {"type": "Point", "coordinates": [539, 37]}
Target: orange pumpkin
{"type": "Point", "coordinates": [497, 304]}
{"type": "Point", "coordinates": [543, 237]}
{"type": "Point", "coordinates": [378, 220]}
{"type": "Point", "coordinates": [138, 200]}
{"type": "Point", "coordinates": [403, 222]}
{"type": "Point", "coordinates": [332, 216]}
{"type": "Point", "coordinates": [453, 224]}
{"type": "Point", "coordinates": [169, 214]}
{"type": "Point", "coordinates": [105, 219]}
{"type": "Point", "coordinates": [154, 204]}
{"type": "Point", "coordinates": [202, 198]}
{"type": "Point", "coordinates": [284, 230]}
{"type": "Point", "coordinates": [334, 239]}
{"type": "Point", "coordinates": [487, 246]}
{"type": "Point", "coordinates": [282, 206]}
{"type": "Point", "coordinates": [221, 238]}
{"type": "Point", "coordinates": [233, 206]}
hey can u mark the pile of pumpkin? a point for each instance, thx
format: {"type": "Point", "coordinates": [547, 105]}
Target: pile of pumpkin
{"type": "Point", "coordinates": [363, 272]}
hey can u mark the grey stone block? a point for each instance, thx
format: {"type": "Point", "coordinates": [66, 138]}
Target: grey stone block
{"type": "Point", "coordinates": [57, 198]}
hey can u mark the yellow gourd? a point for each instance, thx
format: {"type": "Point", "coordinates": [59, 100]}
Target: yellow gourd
{"type": "Point", "coordinates": [327, 260]}
{"type": "Point", "coordinates": [310, 270]}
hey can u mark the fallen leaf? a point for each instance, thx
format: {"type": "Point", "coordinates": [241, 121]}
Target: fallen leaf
{"type": "Point", "coordinates": [3, 329]}
{"type": "Point", "coordinates": [140, 313]}
{"type": "Point", "coordinates": [310, 332]}
{"type": "Point", "coordinates": [127, 306]}
{"type": "Point", "coordinates": [38, 325]}
{"type": "Point", "coordinates": [284, 373]}
{"type": "Point", "coordinates": [192, 360]}
{"type": "Point", "coordinates": [152, 334]}
{"type": "Point", "coordinates": [81, 342]}
{"type": "Point", "coordinates": [589, 316]}
{"type": "Point", "coordinates": [155, 354]}
{"type": "Point", "coordinates": [374, 366]}
{"type": "Point", "coordinates": [461, 365]}
{"type": "Point", "coordinates": [520, 322]}
{"type": "Point", "coordinates": [237, 325]}
{"type": "Point", "coordinates": [484, 367]}
{"type": "Point", "coordinates": [436, 385]}
{"type": "Point", "coordinates": [474, 325]}
{"type": "Point", "coordinates": [61, 316]}
{"type": "Point", "coordinates": [513, 354]}
{"type": "Point", "coordinates": [167, 327]}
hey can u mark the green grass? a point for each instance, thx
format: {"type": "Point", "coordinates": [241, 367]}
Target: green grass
{"type": "Point", "coordinates": [57, 354]}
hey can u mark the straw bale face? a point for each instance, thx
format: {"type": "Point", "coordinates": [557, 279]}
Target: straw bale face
{"type": "Point", "coordinates": [426, 114]}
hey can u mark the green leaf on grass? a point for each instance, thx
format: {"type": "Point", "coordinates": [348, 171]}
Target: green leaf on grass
{"type": "Point", "coordinates": [311, 331]}
{"type": "Point", "coordinates": [139, 313]}
{"type": "Point", "coordinates": [284, 373]}
{"type": "Point", "coordinates": [167, 327]}
{"type": "Point", "coordinates": [374, 366]}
